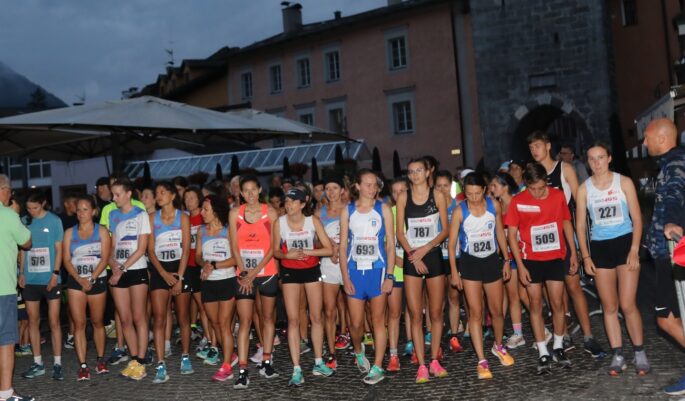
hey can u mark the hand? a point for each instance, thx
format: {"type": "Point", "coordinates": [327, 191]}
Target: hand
{"type": "Point", "coordinates": [524, 275]}
{"type": "Point", "coordinates": [246, 284]}
{"type": "Point", "coordinates": [421, 267]}
{"type": "Point", "coordinates": [418, 253]}
{"type": "Point", "coordinates": [170, 279]}
{"type": "Point", "coordinates": [295, 254]}
{"type": "Point", "coordinates": [633, 260]}
{"type": "Point", "coordinates": [177, 288]}
{"type": "Point", "coordinates": [574, 264]}
{"type": "Point", "coordinates": [22, 280]}
{"type": "Point", "coordinates": [455, 281]}
{"type": "Point", "coordinates": [85, 283]}
{"type": "Point", "coordinates": [670, 229]}
{"type": "Point", "coordinates": [207, 269]}
{"type": "Point", "coordinates": [348, 286]}
{"type": "Point", "coordinates": [386, 287]}
{"type": "Point", "coordinates": [52, 283]}
{"type": "Point", "coordinates": [589, 266]}
{"type": "Point", "coordinates": [335, 258]}
{"type": "Point", "coordinates": [116, 275]}
{"type": "Point", "coordinates": [506, 271]}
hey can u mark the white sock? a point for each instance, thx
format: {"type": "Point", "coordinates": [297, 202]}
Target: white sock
{"type": "Point", "coordinates": [167, 344]}
{"type": "Point", "coordinates": [38, 360]}
{"type": "Point", "coordinates": [558, 341]}
{"type": "Point", "coordinates": [318, 361]}
{"type": "Point", "coordinates": [542, 348]}
{"type": "Point", "coordinates": [7, 393]}
{"type": "Point", "coordinates": [58, 360]}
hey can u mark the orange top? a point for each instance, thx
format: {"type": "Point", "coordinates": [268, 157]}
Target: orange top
{"type": "Point", "coordinates": [254, 241]}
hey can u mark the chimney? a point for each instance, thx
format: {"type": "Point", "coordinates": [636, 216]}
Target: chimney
{"type": "Point", "coordinates": [337, 14]}
{"type": "Point", "coordinates": [393, 2]}
{"type": "Point", "coordinates": [292, 16]}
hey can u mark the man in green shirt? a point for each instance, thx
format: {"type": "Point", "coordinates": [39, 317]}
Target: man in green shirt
{"type": "Point", "coordinates": [12, 235]}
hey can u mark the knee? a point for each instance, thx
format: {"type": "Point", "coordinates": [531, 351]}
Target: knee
{"type": "Point", "coordinates": [475, 315]}
{"type": "Point", "coordinates": [97, 323]}
{"type": "Point", "coordinates": [611, 309]}
{"type": "Point", "coordinates": [394, 314]}
{"type": "Point", "coordinates": [535, 305]}
{"type": "Point", "coordinates": [356, 326]}
{"type": "Point", "coordinates": [315, 318]}
{"type": "Point", "coordinates": [79, 324]}
{"type": "Point", "coordinates": [294, 323]}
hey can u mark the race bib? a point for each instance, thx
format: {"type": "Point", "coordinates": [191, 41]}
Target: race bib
{"type": "Point", "coordinates": [168, 246]}
{"type": "Point", "coordinates": [365, 252]}
{"type": "Point", "coordinates": [445, 249]}
{"type": "Point", "coordinates": [607, 213]}
{"type": "Point", "coordinates": [39, 260]}
{"type": "Point", "coordinates": [422, 230]}
{"type": "Point", "coordinates": [193, 237]}
{"type": "Point", "coordinates": [300, 240]}
{"type": "Point", "coordinates": [482, 244]}
{"type": "Point", "coordinates": [216, 250]}
{"type": "Point", "coordinates": [124, 250]}
{"type": "Point", "coordinates": [85, 265]}
{"type": "Point", "coordinates": [545, 238]}
{"type": "Point", "coordinates": [252, 257]}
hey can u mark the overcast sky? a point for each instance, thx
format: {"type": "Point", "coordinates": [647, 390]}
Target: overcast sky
{"type": "Point", "coordinates": [99, 48]}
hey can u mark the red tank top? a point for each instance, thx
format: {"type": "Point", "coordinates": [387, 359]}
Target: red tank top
{"type": "Point", "coordinates": [195, 223]}
{"type": "Point", "coordinates": [254, 241]}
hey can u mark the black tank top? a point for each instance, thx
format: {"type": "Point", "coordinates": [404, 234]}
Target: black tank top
{"type": "Point", "coordinates": [414, 211]}
{"type": "Point", "coordinates": [555, 180]}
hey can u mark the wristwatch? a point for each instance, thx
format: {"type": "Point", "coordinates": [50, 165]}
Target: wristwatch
{"type": "Point", "coordinates": [55, 272]}
{"type": "Point", "coordinates": [390, 277]}
{"type": "Point", "coordinates": [243, 274]}
{"type": "Point", "coordinates": [92, 280]}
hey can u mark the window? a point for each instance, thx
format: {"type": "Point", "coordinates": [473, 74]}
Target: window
{"type": "Point", "coordinates": [336, 120]}
{"type": "Point", "coordinates": [36, 169]}
{"type": "Point", "coordinates": [332, 60]}
{"type": "Point", "coordinates": [307, 118]}
{"type": "Point", "coordinates": [275, 78]}
{"type": "Point", "coordinates": [397, 52]}
{"type": "Point", "coordinates": [629, 12]}
{"type": "Point", "coordinates": [402, 118]}
{"type": "Point", "coordinates": [303, 73]}
{"type": "Point", "coordinates": [246, 85]}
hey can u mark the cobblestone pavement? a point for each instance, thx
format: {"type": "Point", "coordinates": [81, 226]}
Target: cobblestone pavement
{"type": "Point", "coordinates": [587, 380]}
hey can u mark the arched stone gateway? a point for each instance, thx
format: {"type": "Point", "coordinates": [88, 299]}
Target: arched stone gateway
{"type": "Point", "coordinates": [553, 115]}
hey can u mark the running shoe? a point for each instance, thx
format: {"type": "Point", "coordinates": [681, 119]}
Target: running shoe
{"type": "Point", "coordinates": [374, 376]}
{"type": "Point", "coordinates": [204, 351]}
{"type": "Point", "coordinates": [149, 356]}
{"type": "Point", "coordinates": [111, 330]}
{"type": "Point", "coordinates": [342, 342]}
{"type": "Point", "coordinates": [331, 362]}
{"type": "Point", "coordinates": [161, 376]}
{"type": "Point", "coordinates": [304, 346]}
{"type": "Point", "coordinates": [242, 381]}
{"type": "Point", "coordinates": [186, 365]}
{"type": "Point", "coordinates": [568, 343]}
{"type": "Point", "coordinates": [138, 372]}
{"type": "Point", "coordinates": [618, 365]}
{"type": "Point", "coordinates": [560, 357]}
{"type": "Point", "coordinates": [201, 346]}
{"type": "Point", "coordinates": [224, 373]}
{"type": "Point", "coordinates": [483, 370]}
{"type": "Point", "coordinates": [212, 357]}
{"type": "Point", "coordinates": [641, 363]}
{"type": "Point", "coordinates": [428, 338]}
{"type": "Point", "coordinates": [676, 388]}
{"type": "Point", "coordinates": [455, 346]}
{"type": "Point", "coordinates": [501, 353]}
{"type": "Point", "coordinates": [393, 364]}
{"type": "Point", "coordinates": [17, 397]}
{"type": "Point", "coordinates": [368, 339]}
{"type": "Point", "coordinates": [126, 372]}
{"type": "Point", "coordinates": [57, 372]}
{"type": "Point", "coordinates": [515, 341]}
{"type": "Point", "coordinates": [34, 371]}
{"type": "Point", "coordinates": [118, 355]}
{"type": "Point", "coordinates": [195, 334]}
{"type": "Point", "coordinates": [320, 369]}
{"type": "Point", "coordinates": [101, 368]}
{"type": "Point", "coordinates": [234, 359]}
{"type": "Point", "coordinates": [297, 379]}
{"type": "Point", "coordinates": [83, 374]}
{"type": "Point", "coordinates": [362, 362]}
{"type": "Point", "coordinates": [414, 358]}
{"type": "Point", "coordinates": [593, 348]}
{"type": "Point", "coordinates": [267, 369]}
{"type": "Point", "coordinates": [409, 348]}
{"type": "Point", "coordinates": [22, 350]}
{"type": "Point", "coordinates": [422, 375]}
{"type": "Point", "coordinates": [258, 356]}
{"type": "Point", "coordinates": [544, 365]}
{"type": "Point", "coordinates": [436, 369]}
{"type": "Point", "coordinates": [69, 343]}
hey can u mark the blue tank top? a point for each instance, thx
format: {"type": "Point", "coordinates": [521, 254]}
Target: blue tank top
{"type": "Point", "coordinates": [86, 253]}
{"type": "Point", "coordinates": [216, 248]}
{"type": "Point", "coordinates": [450, 210]}
{"type": "Point", "coordinates": [608, 210]}
{"type": "Point", "coordinates": [168, 238]}
{"type": "Point", "coordinates": [366, 239]}
{"type": "Point", "coordinates": [477, 234]}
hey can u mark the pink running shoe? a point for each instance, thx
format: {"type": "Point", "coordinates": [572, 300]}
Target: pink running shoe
{"type": "Point", "coordinates": [224, 373]}
{"type": "Point", "coordinates": [234, 359]}
{"type": "Point", "coordinates": [422, 375]}
{"type": "Point", "coordinates": [436, 369]}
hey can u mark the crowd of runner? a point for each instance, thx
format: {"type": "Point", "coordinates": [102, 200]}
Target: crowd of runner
{"type": "Point", "coordinates": [349, 258]}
